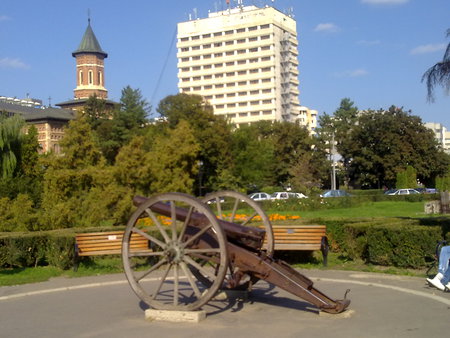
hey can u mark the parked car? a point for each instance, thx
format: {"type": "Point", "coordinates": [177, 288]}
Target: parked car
{"type": "Point", "coordinates": [402, 192]}
{"type": "Point", "coordinates": [259, 196]}
{"type": "Point", "coordinates": [335, 193]}
{"type": "Point", "coordinates": [427, 190]}
{"type": "Point", "coordinates": [284, 195]}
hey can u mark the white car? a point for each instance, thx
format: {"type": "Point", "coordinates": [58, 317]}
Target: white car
{"type": "Point", "coordinates": [284, 195]}
{"type": "Point", "coordinates": [404, 192]}
{"type": "Point", "coordinates": [259, 196]}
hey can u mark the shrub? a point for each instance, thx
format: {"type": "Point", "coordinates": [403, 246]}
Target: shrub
{"type": "Point", "coordinates": [396, 242]}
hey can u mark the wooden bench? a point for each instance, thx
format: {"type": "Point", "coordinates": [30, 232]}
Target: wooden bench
{"type": "Point", "coordinates": [105, 243]}
{"type": "Point", "coordinates": [301, 237]}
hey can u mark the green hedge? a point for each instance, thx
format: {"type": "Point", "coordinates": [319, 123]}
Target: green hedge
{"type": "Point", "coordinates": [53, 247]}
{"type": "Point", "coordinates": [383, 241]}
{"type": "Point", "coordinates": [390, 242]}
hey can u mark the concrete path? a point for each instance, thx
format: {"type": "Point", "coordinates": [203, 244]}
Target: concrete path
{"type": "Point", "coordinates": [105, 306]}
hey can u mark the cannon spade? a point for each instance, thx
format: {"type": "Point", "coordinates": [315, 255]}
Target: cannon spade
{"type": "Point", "coordinates": [197, 249]}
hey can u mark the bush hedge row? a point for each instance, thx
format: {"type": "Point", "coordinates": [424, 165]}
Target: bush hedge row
{"type": "Point", "coordinates": [408, 243]}
{"type": "Point", "coordinates": [41, 248]}
{"type": "Point", "coordinates": [396, 242]}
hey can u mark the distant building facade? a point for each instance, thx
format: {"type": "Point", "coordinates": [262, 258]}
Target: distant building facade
{"type": "Point", "coordinates": [243, 61]}
{"type": "Point", "coordinates": [49, 121]}
{"type": "Point", "coordinates": [442, 135]}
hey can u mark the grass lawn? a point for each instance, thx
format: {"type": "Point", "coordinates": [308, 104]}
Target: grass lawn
{"type": "Point", "coordinates": [372, 209]}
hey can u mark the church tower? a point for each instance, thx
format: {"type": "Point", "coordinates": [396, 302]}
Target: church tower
{"type": "Point", "coordinates": [90, 70]}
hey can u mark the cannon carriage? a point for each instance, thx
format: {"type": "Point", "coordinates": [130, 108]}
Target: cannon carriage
{"type": "Point", "coordinates": [198, 247]}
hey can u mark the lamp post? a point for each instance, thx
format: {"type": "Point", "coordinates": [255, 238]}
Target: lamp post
{"type": "Point", "coordinates": [333, 166]}
{"type": "Point", "coordinates": [200, 174]}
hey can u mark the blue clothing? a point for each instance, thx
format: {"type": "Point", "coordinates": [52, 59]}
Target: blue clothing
{"type": "Point", "coordinates": [444, 257]}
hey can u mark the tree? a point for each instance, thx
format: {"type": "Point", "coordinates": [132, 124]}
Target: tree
{"type": "Point", "coordinates": [287, 147]}
{"type": "Point", "coordinates": [385, 142]}
{"type": "Point", "coordinates": [95, 111]}
{"type": "Point", "coordinates": [439, 74]}
{"type": "Point", "coordinates": [10, 143]}
{"type": "Point", "coordinates": [126, 121]}
{"type": "Point", "coordinates": [406, 178]}
{"type": "Point", "coordinates": [79, 146]}
{"type": "Point", "coordinates": [211, 132]}
{"type": "Point", "coordinates": [339, 127]}
{"type": "Point", "coordinates": [174, 160]}
{"type": "Point", "coordinates": [252, 156]}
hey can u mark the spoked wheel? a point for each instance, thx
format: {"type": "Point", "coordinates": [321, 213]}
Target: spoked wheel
{"type": "Point", "coordinates": [180, 231]}
{"type": "Point", "coordinates": [238, 208]}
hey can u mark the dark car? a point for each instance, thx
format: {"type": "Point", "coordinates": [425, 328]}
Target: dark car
{"type": "Point", "coordinates": [335, 193]}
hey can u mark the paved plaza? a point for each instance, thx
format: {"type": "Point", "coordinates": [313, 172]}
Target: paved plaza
{"type": "Point", "coordinates": [105, 306]}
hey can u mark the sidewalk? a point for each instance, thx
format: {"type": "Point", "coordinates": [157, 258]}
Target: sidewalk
{"type": "Point", "coordinates": [104, 306]}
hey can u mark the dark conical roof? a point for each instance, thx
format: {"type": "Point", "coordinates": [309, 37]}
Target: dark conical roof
{"type": "Point", "coordinates": [89, 43]}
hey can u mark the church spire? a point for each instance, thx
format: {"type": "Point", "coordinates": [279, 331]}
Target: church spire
{"type": "Point", "coordinates": [90, 66]}
{"type": "Point", "coordinates": [89, 43]}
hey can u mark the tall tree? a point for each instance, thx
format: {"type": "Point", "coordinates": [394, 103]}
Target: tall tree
{"type": "Point", "coordinates": [211, 132]}
{"type": "Point", "coordinates": [10, 143]}
{"type": "Point", "coordinates": [252, 156]}
{"type": "Point", "coordinates": [79, 146]}
{"type": "Point", "coordinates": [292, 145]}
{"type": "Point", "coordinates": [337, 128]}
{"type": "Point", "coordinates": [439, 74]}
{"type": "Point", "coordinates": [127, 121]}
{"type": "Point", "coordinates": [385, 142]}
{"type": "Point", "coordinates": [174, 160]}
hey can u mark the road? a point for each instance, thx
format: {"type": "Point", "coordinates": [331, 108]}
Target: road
{"type": "Point", "coordinates": [105, 306]}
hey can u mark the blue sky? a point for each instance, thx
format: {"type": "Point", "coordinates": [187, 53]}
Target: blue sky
{"type": "Point", "coordinates": [371, 51]}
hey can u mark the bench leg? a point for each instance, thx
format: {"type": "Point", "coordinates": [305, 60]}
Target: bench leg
{"type": "Point", "coordinates": [324, 247]}
{"type": "Point", "coordinates": [76, 259]}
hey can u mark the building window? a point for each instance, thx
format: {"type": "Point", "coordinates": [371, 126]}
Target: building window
{"type": "Point", "coordinates": [81, 77]}
{"type": "Point", "coordinates": [90, 77]}
{"type": "Point", "coordinates": [100, 80]}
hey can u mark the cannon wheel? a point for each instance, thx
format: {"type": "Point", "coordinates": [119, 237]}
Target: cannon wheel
{"type": "Point", "coordinates": [174, 252]}
{"type": "Point", "coordinates": [226, 205]}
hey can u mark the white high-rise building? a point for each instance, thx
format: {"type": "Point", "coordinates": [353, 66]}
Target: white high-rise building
{"type": "Point", "coordinates": [244, 62]}
{"type": "Point", "coordinates": [442, 135]}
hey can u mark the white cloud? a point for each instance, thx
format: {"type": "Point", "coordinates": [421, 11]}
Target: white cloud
{"type": "Point", "coordinates": [4, 18]}
{"type": "Point", "coordinates": [326, 27]}
{"type": "Point", "coordinates": [430, 48]}
{"type": "Point", "coordinates": [385, 2]}
{"type": "Point", "coordinates": [353, 73]}
{"type": "Point", "coordinates": [13, 63]}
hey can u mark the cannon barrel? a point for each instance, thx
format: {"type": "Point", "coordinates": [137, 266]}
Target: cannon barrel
{"type": "Point", "coordinates": [250, 237]}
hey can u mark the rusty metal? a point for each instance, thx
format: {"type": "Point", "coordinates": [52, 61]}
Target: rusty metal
{"type": "Point", "coordinates": [245, 256]}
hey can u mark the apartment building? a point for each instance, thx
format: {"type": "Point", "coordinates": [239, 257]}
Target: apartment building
{"type": "Point", "coordinates": [442, 135]}
{"type": "Point", "coordinates": [244, 62]}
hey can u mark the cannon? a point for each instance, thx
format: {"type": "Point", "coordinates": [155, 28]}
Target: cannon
{"type": "Point", "coordinates": [198, 247]}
